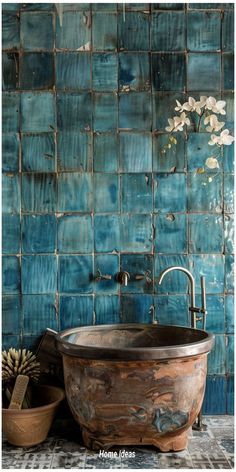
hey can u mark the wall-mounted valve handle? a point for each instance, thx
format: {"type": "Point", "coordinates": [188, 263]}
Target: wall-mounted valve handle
{"type": "Point", "coordinates": [99, 276]}
{"type": "Point", "coordinates": [145, 276]}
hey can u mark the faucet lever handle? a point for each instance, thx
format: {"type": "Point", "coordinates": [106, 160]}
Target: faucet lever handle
{"type": "Point", "coordinates": [99, 276]}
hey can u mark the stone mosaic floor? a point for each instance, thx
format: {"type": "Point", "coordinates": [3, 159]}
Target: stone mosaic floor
{"type": "Point", "coordinates": [211, 449]}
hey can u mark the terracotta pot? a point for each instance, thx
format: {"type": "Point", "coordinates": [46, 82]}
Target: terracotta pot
{"type": "Point", "coordinates": [30, 426]}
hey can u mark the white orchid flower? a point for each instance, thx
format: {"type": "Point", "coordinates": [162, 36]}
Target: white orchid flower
{"type": "Point", "coordinates": [223, 139]}
{"type": "Point", "coordinates": [187, 106]}
{"type": "Point", "coordinates": [214, 124]}
{"type": "Point", "coordinates": [177, 123]}
{"type": "Point", "coordinates": [171, 126]}
{"type": "Point", "coordinates": [212, 163]}
{"type": "Point", "coordinates": [216, 106]}
{"type": "Point", "coordinates": [200, 104]}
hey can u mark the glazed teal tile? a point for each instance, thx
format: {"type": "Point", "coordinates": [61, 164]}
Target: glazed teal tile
{"type": "Point", "coordinates": [75, 274]}
{"type": "Point", "coordinates": [10, 275]}
{"type": "Point", "coordinates": [215, 318]}
{"type": "Point", "coordinates": [172, 310]}
{"type": "Point", "coordinates": [39, 192]}
{"type": "Point", "coordinates": [104, 31]}
{"type": "Point", "coordinates": [75, 30]}
{"type": "Point", "coordinates": [10, 193]}
{"type": "Point", "coordinates": [168, 160]}
{"type": "Point", "coordinates": [105, 152]}
{"type": "Point", "coordinates": [39, 274]}
{"type": "Point", "coordinates": [163, 106]}
{"type": "Point", "coordinates": [174, 282]}
{"type": "Point", "coordinates": [168, 31]}
{"type": "Point", "coordinates": [204, 195]}
{"type": "Point", "coordinates": [10, 68]}
{"type": "Point", "coordinates": [38, 233]}
{"type": "Point", "coordinates": [209, 6]}
{"type": "Point", "coordinates": [200, 67]}
{"type": "Point", "coordinates": [228, 68]}
{"type": "Point", "coordinates": [136, 193]}
{"type": "Point", "coordinates": [10, 112]}
{"type": "Point", "coordinates": [168, 71]}
{"type": "Point", "coordinates": [10, 233]}
{"type": "Point", "coordinates": [31, 119]}
{"type": "Point", "coordinates": [39, 313]}
{"type": "Point", "coordinates": [134, 71]}
{"type": "Point", "coordinates": [74, 151]}
{"type": "Point", "coordinates": [133, 6]}
{"type": "Point", "coordinates": [135, 152]}
{"type": "Point", "coordinates": [212, 267]}
{"type": "Point", "coordinates": [201, 231]}
{"type": "Point", "coordinates": [76, 6]}
{"type": "Point", "coordinates": [107, 233]}
{"type": "Point", "coordinates": [203, 31]}
{"type": "Point", "coordinates": [106, 189]}
{"type": "Point", "coordinates": [30, 342]}
{"type": "Point", "coordinates": [229, 193]}
{"type": "Point", "coordinates": [37, 71]}
{"type": "Point", "coordinates": [76, 311]}
{"type": "Point", "coordinates": [107, 309]}
{"type": "Point", "coordinates": [136, 309]}
{"type": "Point", "coordinates": [75, 192]}
{"type": "Point", "coordinates": [230, 354]}
{"type": "Point", "coordinates": [104, 6]}
{"type": "Point", "coordinates": [134, 22]}
{"type": "Point", "coordinates": [106, 264]}
{"type": "Point", "coordinates": [10, 152]}
{"type": "Point", "coordinates": [75, 234]}
{"type": "Point", "coordinates": [74, 111]}
{"type": "Point", "coordinates": [105, 111]}
{"type": "Point", "coordinates": [170, 201]}
{"type": "Point", "coordinates": [73, 70]}
{"type": "Point", "coordinates": [38, 152]}
{"type": "Point", "coordinates": [215, 395]}
{"type": "Point", "coordinates": [216, 358]}
{"type": "Point", "coordinates": [10, 31]}
{"type": "Point", "coordinates": [136, 233]}
{"type": "Point", "coordinates": [135, 111]}
{"type": "Point", "coordinates": [229, 233]}
{"type": "Point", "coordinates": [11, 7]}
{"type": "Point", "coordinates": [11, 315]}
{"type": "Point", "coordinates": [36, 31]}
{"type": "Point", "coordinates": [198, 151]}
{"type": "Point", "coordinates": [168, 6]}
{"type": "Point", "coordinates": [170, 233]}
{"type": "Point", "coordinates": [228, 158]}
{"type": "Point", "coordinates": [229, 273]}
{"type": "Point", "coordinates": [229, 313]}
{"type": "Point", "coordinates": [37, 6]}
{"type": "Point", "coordinates": [230, 395]}
{"type": "Point", "coordinates": [229, 118]}
{"type": "Point", "coordinates": [104, 72]}
{"type": "Point", "coordinates": [137, 264]}
{"type": "Point", "coordinates": [10, 341]}
{"type": "Point", "coordinates": [228, 31]}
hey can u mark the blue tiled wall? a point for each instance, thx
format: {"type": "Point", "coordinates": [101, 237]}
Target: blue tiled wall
{"type": "Point", "coordinates": [86, 98]}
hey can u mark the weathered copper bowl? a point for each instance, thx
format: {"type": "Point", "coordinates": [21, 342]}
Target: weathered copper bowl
{"type": "Point", "coordinates": [133, 384]}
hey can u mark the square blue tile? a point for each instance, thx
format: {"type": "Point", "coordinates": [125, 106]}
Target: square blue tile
{"type": "Point", "coordinates": [215, 318]}
{"type": "Point", "coordinates": [11, 7]}
{"type": "Point", "coordinates": [136, 233]}
{"type": "Point", "coordinates": [168, 31]}
{"type": "Point", "coordinates": [104, 31]}
{"type": "Point", "coordinates": [39, 274]}
{"type": "Point", "coordinates": [105, 112]}
{"type": "Point", "coordinates": [228, 158]}
{"type": "Point", "coordinates": [37, 71]}
{"type": "Point", "coordinates": [74, 151]}
{"type": "Point", "coordinates": [106, 264]}
{"type": "Point", "coordinates": [38, 233]}
{"type": "Point", "coordinates": [229, 273]}
{"type": "Point", "coordinates": [134, 72]}
{"type": "Point", "coordinates": [166, 200]}
{"type": "Point", "coordinates": [138, 264]}
{"type": "Point", "coordinates": [36, 31]}
{"type": "Point", "coordinates": [168, 71]}
{"type": "Point", "coordinates": [76, 311]}
{"type": "Point", "coordinates": [136, 193]}
{"type": "Point", "coordinates": [10, 193]}
{"type": "Point", "coordinates": [230, 354]}
{"type": "Point", "coordinates": [39, 313]}
{"type": "Point", "coordinates": [76, 6]}
{"type": "Point", "coordinates": [228, 31]}
{"type": "Point", "coordinates": [10, 274]}
{"type": "Point", "coordinates": [75, 234]}
{"type": "Point", "coordinates": [73, 70]}
{"type": "Point", "coordinates": [37, 7]}
{"type": "Point", "coordinates": [163, 106]}
{"type": "Point", "coordinates": [10, 30]}
{"type": "Point", "coordinates": [39, 192]}
{"type": "Point", "coordinates": [230, 395]}
{"type": "Point", "coordinates": [228, 68]}
{"type": "Point", "coordinates": [30, 342]}
{"type": "Point", "coordinates": [104, 6]}
{"type": "Point", "coordinates": [200, 68]}
{"type": "Point", "coordinates": [10, 341]}
{"type": "Point", "coordinates": [75, 30]}
{"type": "Point", "coordinates": [168, 160]}
{"type": "Point", "coordinates": [76, 274]}
{"type": "Point", "coordinates": [168, 6]}
{"type": "Point", "coordinates": [74, 111]}
{"type": "Point", "coordinates": [198, 151]}
{"type": "Point", "coordinates": [204, 195]}
{"type": "Point", "coordinates": [174, 282]}
{"type": "Point", "coordinates": [203, 31]}
{"type": "Point", "coordinates": [170, 233]}
{"type": "Point", "coordinates": [107, 309]}
{"type": "Point", "coordinates": [10, 112]}
{"type": "Point", "coordinates": [217, 357]}
{"type": "Point", "coordinates": [11, 315]}
{"type": "Point", "coordinates": [31, 104]}
{"type": "Point", "coordinates": [75, 192]}
{"type": "Point", "coordinates": [104, 72]}
{"type": "Point", "coordinates": [136, 309]}
{"type": "Point", "coordinates": [135, 152]}
{"type": "Point", "coordinates": [10, 152]}
{"type": "Point", "coordinates": [107, 233]}
{"type": "Point", "coordinates": [134, 22]}
{"type": "Point", "coordinates": [229, 314]}
{"type": "Point", "coordinates": [106, 193]}
{"type": "Point", "coordinates": [228, 96]}
{"type": "Point", "coordinates": [135, 111]}
{"type": "Point", "coordinates": [212, 267]}
{"type": "Point", "coordinates": [10, 233]}
{"type": "Point", "coordinates": [215, 395]}
{"type": "Point", "coordinates": [229, 193]}
{"type": "Point", "coordinates": [105, 152]}
{"type": "Point", "coordinates": [133, 7]}
{"type": "Point", "coordinates": [38, 152]}
{"type": "Point", "coordinates": [10, 68]}
{"type": "Point", "coordinates": [172, 310]}
{"type": "Point", "coordinates": [201, 231]}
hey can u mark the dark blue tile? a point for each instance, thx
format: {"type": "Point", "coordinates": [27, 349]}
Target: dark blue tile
{"type": "Point", "coordinates": [174, 282]}
{"type": "Point", "coordinates": [73, 70]}
{"type": "Point", "coordinates": [37, 71]}
{"type": "Point", "coordinates": [10, 31]}
{"type": "Point", "coordinates": [168, 71]}
{"type": "Point", "coordinates": [74, 151]}
{"type": "Point", "coordinates": [136, 193]}
{"type": "Point", "coordinates": [230, 395]}
{"type": "Point", "coordinates": [104, 6]}
{"type": "Point", "coordinates": [168, 160]}
{"type": "Point", "coordinates": [76, 311]}
{"type": "Point", "coordinates": [33, 121]}
{"type": "Point", "coordinates": [11, 315]}
{"type": "Point", "coordinates": [105, 152]}
{"type": "Point", "coordinates": [104, 31]}
{"type": "Point", "coordinates": [39, 274]}
{"type": "Point", "coordinates": [215, 318]}
{"type": "Point", "coordinates": [200, 68]}
{"type": "Point", "coordinates": [107, 233]}
{"type": "Point", "coordinates": [74, 32]}
{"type": "Point", "coordinates": [229, 193]}
{"type": "Point", "coordinates": [204, 195]}
{"type": "Point", "coordinates": [10, 193]}
{"type": "Point", "coordinates": [172, 310]}
{"type": "Point", "coordinates": [133, 7]}
{"type": "Point", "coordinates": [168, 31]}
{"type": "Point", "coordinates": [11, 341]}
{"type": "Point", "coordinates": [166, 201]}
{"type": "Point", "coordinates": [209, 6]}
{"type": "Point", "coordinates": [229, 313]}
{"type": "Point", "coordinates": [135, 111]}
{"type": "Point", "coordinates": [31, 342]}
{"type": "Point", "coordinates": [10, 274]}
{"type": "Point", "coordinates": [228, 68]}
{"type": "Point", "coordinates": [198, 151]}
{"type": "Point", "coordinates": [135, 152]}
{"type": "Point", "coordinates": [38, 234]}
{"type": "Point", "coordinates": [75, 192]}
{"type": "Point", "coordinates": [138, 264]}
{"type": "Point", "coordinates": [10, 112]}
{"type": "Point", "coordinates": [106, 264]}
{"type": "Point", "coordinates": [10, 152]}
{"type": "Point", "coordinates": [229, 118]}
{"type": "Point", "coordinates": [203, 31]}
{"type": "Point", "coordinates": [163, 107]}
{"type": "Point", "coordinates": [39, 313]}
{"type": "Point", "coordinates": [11, 7]}
{"type": "Point", "coordinates": [229, 273]}
{"type": "Point", "coordinates": [136, 309]}
{"type": "Point", "coordinates": [36, 31]}
{"type": "Point", "coordinates": [134, 71]}
{"type": "Point", "coordinates": [10, 233]}
{"type": "Point", "coordinates": [201, 229]}
{"type": "Point", "coordinates": [230, 354]}
{"type": "Point", "coordinates": [215, 395]}
{"type": "Point", "coordinates": [128, 27]}
{"type": "Point", "coordinates": [74, 112]}
{"type": "Point", "coordinates": [39, 192]}
{"type": "Point", "coordinates": [170, 233]}
{"type": "Point", "coordinates": [38, 152]}
{"type": "Point", "coordinates": [136, 233]}
{"type": "Point", "coordinates": [106, 197]}
{"type": "Point", "coordinates": [75, 274]}
{"type": "Point", "coordinates": [228, 31]}
{"type": "Point", "coordinates": [105, 112]}
{"type": "Point", "coordinates": [216, 359]}
{"type": "Point", "coordinates": [37, 7]}
{"type": "Point", "coordinates": [105, 72]}
{"type": "Point", "coordinates": [168, 6]}
{"type": "Point", "coordinates": [75, 234]}
{"type": "Point", "coordinates": [228, 158]}
{"type": "Point", "coordinates": [212, 267]}
{"type": "Point", "coordinates": [10, 68]}
{"type": "Point", "coordinates": [107, 309]}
